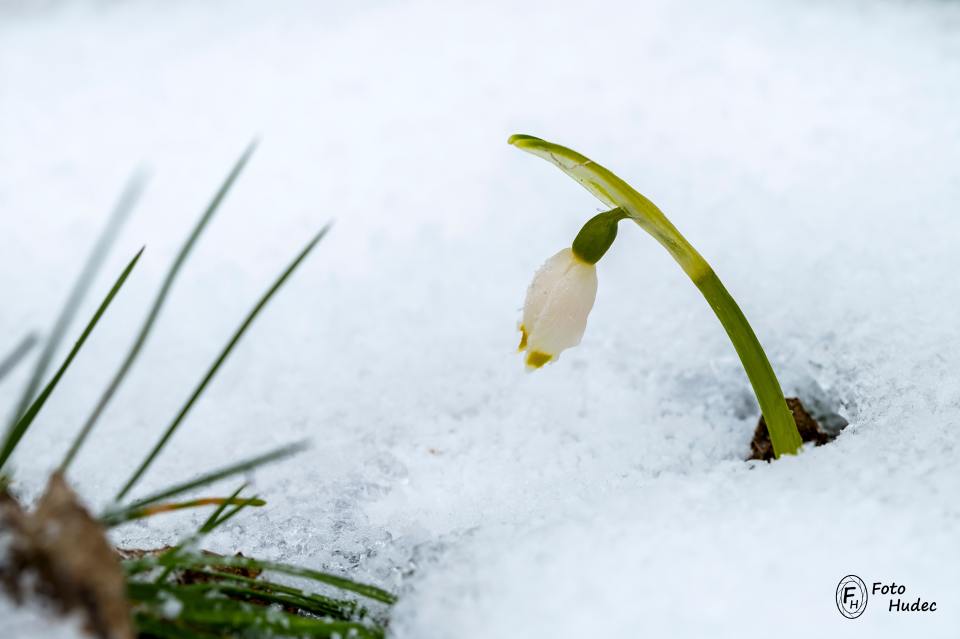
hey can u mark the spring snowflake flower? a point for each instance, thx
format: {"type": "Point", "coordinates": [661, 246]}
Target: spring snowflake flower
{"type": "Point", "coordinates": [558, 302]}
{"type": "Point", "coordinates": [564, 289]}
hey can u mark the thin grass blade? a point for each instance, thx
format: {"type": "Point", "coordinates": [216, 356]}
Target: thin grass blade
{"type": "Point", "coordinates": [20, 427]}
{"type": "Point", "coordinates": [156, 509]}
{"type": "Point", "coordinates": [252, 591]}
{"type": "Point", "coordinates": [20, 351]}
{"type": "Point", "coordinates": [204, 480]}
{"type": "Point", "coordinates": [213, 522]}
{"type": "Point", "coordinates": [210, 523]}
{"type": "Point", "coordinates": [230, 603]}
{"type": "Point", "coordinates": [125, 205]}
{"type": "Point", "coordinates": [310, 602]}
{"type": "Point", "coordinates": [233, 513]}
{"type": "Point", "coordinates": [191, 561]}
{"type": "Point", "coordinates": [228, 618]}
{"type": "Point", "coordinates": [158, 303]}
{"type": "Point", "coordinates": [342, 608]}
{"type": "Point", "coordinates": [171, 429]}
{"type": "Point", "coordinates": [158, 625]}
{"type": "Point", "coordinates": [204, 561]}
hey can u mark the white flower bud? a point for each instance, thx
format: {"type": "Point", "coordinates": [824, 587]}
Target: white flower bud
{"type": "Point", "coordinates": [558, 302]}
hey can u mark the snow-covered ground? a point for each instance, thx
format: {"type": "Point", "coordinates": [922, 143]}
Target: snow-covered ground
{"type": "Point", "coordinates": [810, 150]}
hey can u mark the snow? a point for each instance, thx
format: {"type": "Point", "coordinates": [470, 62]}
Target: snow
{"type": "Point", "coordinates": [809, 150]}
{"type": "Point", "coordinates": [34, 619]}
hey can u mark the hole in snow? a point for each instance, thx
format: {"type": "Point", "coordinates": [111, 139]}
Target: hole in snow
{"type": "Point", "coordinates": [817, 421]}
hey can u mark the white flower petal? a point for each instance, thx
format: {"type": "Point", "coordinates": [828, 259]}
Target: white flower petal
{"type": "Point", "coordinates": [558, 303]}
{"type": "Point", "coordinates": [546, 277]}
{"type": "Point", "coordinates": [563, 320]}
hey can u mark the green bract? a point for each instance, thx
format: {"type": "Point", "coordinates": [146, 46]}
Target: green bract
{"type": "Point", "coordinates": [616, 193]}
{"type": "Point", "coordinates": [597, 235]}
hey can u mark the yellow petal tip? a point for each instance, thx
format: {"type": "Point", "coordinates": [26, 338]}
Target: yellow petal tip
{"type": "Point", "coordinates": [536, 359]}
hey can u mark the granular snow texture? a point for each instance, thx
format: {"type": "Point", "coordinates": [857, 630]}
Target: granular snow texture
{"type": "Point", "coordinates": [809, 150]}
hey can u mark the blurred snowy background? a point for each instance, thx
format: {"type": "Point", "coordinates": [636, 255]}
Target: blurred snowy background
{"type": "Point", "coordinates": [810, 150]}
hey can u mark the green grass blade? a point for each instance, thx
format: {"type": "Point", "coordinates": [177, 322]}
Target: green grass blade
{"type": "Point", "coordinates": [233, 512]}
{"type": "Point", "coordinates": [128, 199]}
{"type": "Point", "coordinates": [230, 607]}
{"type": "Point", "coordinates": [227, 618]}
{"type": "Point", "coordinates": [250, 590]}
{"type": "Point", "coordinates": [20, 427]}
{"type": "Point", "coordinates": [158, 303]}
{"type": "Point", "coordinates": [204, 480]}
{"type": "Point", "coordinates": [211, 521]}
{"type": "Point", "coordinates": [193, 561]}
{"type": "Point", "coordinates": [20, 351]}
{"type": "Point", "coordinates": [208, 526]}
{"type": "Point", "coordinates": [159, 626]}
{"type": "Point", "coordinates": [310, 602]}
{"type": "Point", "coordinates": [171, 429]}
{"type": "Point", "coordinates": [156, 509]}
{"type": "Point", "coordinates": [201, 561]}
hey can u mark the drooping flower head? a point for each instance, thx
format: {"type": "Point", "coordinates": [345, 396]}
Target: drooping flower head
{"type": "Point", "coordinates": [558, 302]}
{"type": "Point", "coordinates": [563, 291]}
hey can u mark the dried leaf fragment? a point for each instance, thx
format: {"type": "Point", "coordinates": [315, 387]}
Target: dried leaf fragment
{"type": "Point", "coordinates": [67, 552]}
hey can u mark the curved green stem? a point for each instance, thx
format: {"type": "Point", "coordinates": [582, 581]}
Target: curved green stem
{"type": "Point", "coordinates": [780, 423]}
{"type": "Point", "coordinates": [613, 191]}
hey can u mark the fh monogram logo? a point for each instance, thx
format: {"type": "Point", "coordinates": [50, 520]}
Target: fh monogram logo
{"type": "Point", "coordinates": [851, 596]}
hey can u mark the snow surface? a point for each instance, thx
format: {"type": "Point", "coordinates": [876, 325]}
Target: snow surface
{"type": "Point", "coordinates": [810, 150]}
{"type": "Point", "coordinates": [34, 619]}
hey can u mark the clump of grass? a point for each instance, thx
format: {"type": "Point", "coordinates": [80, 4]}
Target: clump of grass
{"type": "Point", "coordinates": [182, 592]}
